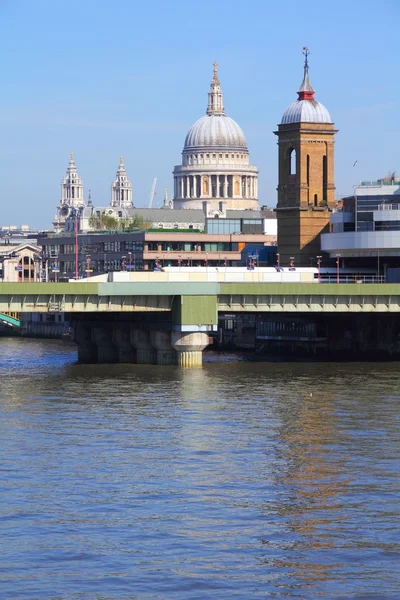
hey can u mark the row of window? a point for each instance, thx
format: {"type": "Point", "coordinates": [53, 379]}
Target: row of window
{"type": "Point", "coordinates": [197, 156]}
{"type": "Point", "coordinates": [192, 247]}
{"type": "Point", "coordinates": [98, 248]}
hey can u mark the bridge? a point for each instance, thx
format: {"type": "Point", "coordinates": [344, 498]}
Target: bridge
{"type": "Point", "coordinates": [162, 321]}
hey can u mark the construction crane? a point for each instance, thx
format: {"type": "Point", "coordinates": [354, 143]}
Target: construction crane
{"type": "Point", "coordinates": [152, 193]}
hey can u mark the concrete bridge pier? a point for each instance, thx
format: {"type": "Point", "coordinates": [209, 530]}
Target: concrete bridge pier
{"type": "Point", "coordinates": [87, 349]}
{"type": "Point", "coordinates": [145, 353]}
{"type": "Point", "coordinates": [189, 347]}
{"type": "Point", "coordinates": [122, 340]}
{"type": "Point", "coordinates": [106, 350]}
{"type": "Point", "coordinates": [161, 341]}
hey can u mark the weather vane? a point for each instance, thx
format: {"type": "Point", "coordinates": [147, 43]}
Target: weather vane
{"type": "Point", "coordinates": [306, 52]}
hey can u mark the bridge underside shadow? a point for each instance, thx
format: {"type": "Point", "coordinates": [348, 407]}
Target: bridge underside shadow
{"type": "Point", "coordinates": [327, 336]}
{"type": "Point", "coordinates": [140, 338]}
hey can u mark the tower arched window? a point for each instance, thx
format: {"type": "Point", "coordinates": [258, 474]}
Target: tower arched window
{"type": "Point", "coordinates": [291, 164]}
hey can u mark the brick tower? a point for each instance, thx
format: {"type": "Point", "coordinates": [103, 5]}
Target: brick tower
{"type": "Point", "coordinates": [306, 189]}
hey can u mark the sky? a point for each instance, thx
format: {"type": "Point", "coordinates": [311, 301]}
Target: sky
{"type": "Point", "coordinates": [103, 79]}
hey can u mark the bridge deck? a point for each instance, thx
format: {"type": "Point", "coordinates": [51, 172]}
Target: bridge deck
{"type": "Point", "coordinates": [159, 295]}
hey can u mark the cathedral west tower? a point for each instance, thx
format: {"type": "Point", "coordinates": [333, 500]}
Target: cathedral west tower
{"type": "Point", "coordinates": [306, 189]}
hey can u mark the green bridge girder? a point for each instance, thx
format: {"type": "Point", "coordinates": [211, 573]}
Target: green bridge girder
{"type": "Point", "coordinates": [162, 295]}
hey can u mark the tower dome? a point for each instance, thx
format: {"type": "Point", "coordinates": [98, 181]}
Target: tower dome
{"type": "Point", "coordinates": [306, 109]}
{"type": "Point", "coordinates": [215, 161]}
{"type": "Point", "coordinates": [215, 130]}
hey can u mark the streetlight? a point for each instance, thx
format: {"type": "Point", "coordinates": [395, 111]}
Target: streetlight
{"type": "Point", "coordinates": [278, 260]}
{"type": "Point", "coordinates": [124, 263]}
{"type": "Point", "coordinates": [337, 268]}
{"type": "Point", "coordinates": [88, 270]}
{"type": "Point", "coordinates": [319, 258]}
{"type": "Point", "coordinates": [130, 261]}
{"type": "Point", "coordinates": [291, 262]}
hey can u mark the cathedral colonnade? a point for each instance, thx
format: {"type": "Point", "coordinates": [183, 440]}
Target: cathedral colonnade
{"type": "Point", "coordinates": [219, 186]}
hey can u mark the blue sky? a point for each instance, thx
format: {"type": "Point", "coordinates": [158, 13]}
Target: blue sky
{"type": "Point", "coordinates": [103, 78]}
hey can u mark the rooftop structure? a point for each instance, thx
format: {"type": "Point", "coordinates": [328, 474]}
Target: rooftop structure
{"type": "Point", "coordinates": [306, 109]}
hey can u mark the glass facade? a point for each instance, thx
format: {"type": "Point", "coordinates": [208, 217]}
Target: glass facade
{"type": "Point", "coordinates": [223, 226]}
{"type": "Point", "coordinates": [230, 226]}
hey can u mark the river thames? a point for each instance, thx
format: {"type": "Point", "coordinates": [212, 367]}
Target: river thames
{"type": "Point", "coordinates": [236, 480]}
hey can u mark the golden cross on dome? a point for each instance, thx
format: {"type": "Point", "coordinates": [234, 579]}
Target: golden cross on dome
{"type": "Point", "coordinates": [215, 69]}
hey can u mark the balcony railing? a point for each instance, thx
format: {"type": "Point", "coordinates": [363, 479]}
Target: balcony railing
{"type": "Point", "coordinates": [388, 206]}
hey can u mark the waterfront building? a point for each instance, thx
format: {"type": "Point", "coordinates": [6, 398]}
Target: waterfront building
{"type": "Point", "coordinates": [215, 162]}
{"type": "Point", "coordinates": [20, 263]}
{"type": "Point", "coordinates": [365, 230]}
{"type": "Point", "coordinates": [306, 175]}
{"type": "Point", "coordinates": [146, 250]}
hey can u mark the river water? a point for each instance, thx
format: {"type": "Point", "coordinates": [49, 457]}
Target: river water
{"type": "Point", "coordinates": [236, 480]}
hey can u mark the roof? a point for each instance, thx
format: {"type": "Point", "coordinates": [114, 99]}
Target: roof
{"type": "Point", "coordinates": [306, 111]}
{"type": "Point", "coordinates": [215, 131]}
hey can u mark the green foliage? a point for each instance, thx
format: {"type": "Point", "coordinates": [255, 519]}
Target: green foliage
{"type": "Point", "coordinates": [108, 223]}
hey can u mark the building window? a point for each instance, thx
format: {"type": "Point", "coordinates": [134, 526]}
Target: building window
{"type": "Point", "coordinates": [190, 226]}
{"type": "Point", "coordinates": [214, 156]}
{"type": "Point", "coordinates": [220, 155]}
{"type": "Point", "coordinates": [175, 225]}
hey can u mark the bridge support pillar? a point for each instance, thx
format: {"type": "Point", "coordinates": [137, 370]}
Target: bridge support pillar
{"type": "Point", "coordinates": [189, 347]}
{"type": "Point", "coordinates": [87, 350]}
{"type": "Point", "coordinates": [106, 350]}
{"type": "Point", "coordinates": [161, 341]}
{"type": "Point", "coordinates": [145, 353]}
{"type": "Point", "coordinates": [125, 349]}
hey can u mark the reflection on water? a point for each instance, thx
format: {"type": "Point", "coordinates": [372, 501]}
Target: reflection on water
{"type": "Point", "coordinates": [237, 480]}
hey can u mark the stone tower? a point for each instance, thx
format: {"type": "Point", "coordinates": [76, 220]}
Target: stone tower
{"type": "Point", "coordinates": [306, 189]}
{"type": "Point", "coordinates": [71, 196]}
{"type": "Point", "coordinates": [121, 188]}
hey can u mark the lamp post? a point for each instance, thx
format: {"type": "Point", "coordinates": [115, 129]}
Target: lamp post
{"type": "Point", "coordinates": [319, 258]}
{"type": "Point", "coordinates": [88, 271]}
{"type": "Point", "coordinates": [124, 263]}
{"type": "Point", "coordinates": [76, 247]}
{"type": "Point", "coordinates": [337, 268]}
{"type": "Point", "coordinates": [291, 262]}
{"type": "Point", "coordinates": [130, 261]}
{"type": "Point", "coordinates": [278, 260]}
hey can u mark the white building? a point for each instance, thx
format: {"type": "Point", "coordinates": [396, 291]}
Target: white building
{"type": "Point", "coordinates": [215, 162]}
{"type": "Point", "coordinates": [368, 223]}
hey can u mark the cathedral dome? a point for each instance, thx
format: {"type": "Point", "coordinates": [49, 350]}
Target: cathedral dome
{"type": "Point", "coordinates": [306, 109]}
{"type": "Point", "coordinates": [216, 131]}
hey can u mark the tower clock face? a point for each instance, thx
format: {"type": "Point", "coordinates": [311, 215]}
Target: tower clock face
{"type": "Point", "coordinates": [64, 210]}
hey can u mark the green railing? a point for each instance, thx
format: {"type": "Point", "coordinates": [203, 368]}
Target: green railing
{"type": "Point", "coordinates": [10, 320]}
